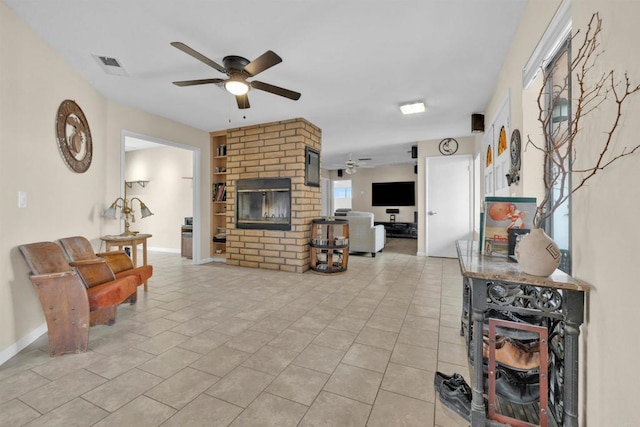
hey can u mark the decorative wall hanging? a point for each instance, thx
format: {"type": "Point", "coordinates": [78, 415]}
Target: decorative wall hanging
{"type": "Point", "coordinates": [489, 156]}
{"type": "Point", "coordinates": [502, 141]}
{"type": "Point", "coordinates": [513, 177]}
{"type": "Point", "coordinates": [312, 167]}
{"type": "Point", "coordinates": [448, 146]}
{"type": "Point", "coordinates": [74, 136]}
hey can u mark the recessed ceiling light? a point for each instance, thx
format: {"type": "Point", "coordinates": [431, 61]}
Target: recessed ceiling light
{"type": "Point", "coordinates": [416, 107]}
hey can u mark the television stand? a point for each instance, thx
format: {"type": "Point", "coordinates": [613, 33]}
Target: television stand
{"type": "Point", "coordinates": [400, 229]}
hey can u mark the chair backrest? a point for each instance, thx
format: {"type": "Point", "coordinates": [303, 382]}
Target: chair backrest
{"type": "Point", "coordinates": [368, 215]}
{"type": "Point", "coordinates": [78, 248]}
{"type": "Point", "coordinates": [45, 258]}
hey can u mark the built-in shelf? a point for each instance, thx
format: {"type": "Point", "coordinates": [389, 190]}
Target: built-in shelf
{"type": "Point", "coordinates": [141, 183]}
{"type": "Point", "coordinates": [218, 179]}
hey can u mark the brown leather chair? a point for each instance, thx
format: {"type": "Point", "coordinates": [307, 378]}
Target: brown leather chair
{"type": "Point", "coordinates": [78, 249]}
{"type": "Point", "coordinates": [73, 301]}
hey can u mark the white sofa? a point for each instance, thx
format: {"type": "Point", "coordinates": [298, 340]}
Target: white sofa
{"type": "Point", "coordinates": [363, 235]}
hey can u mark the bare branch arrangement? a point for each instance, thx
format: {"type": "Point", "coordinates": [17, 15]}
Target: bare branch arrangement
{"type": "Point", "coordinates": [560, 141]}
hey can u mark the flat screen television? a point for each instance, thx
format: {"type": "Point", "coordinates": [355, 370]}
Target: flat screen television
{"type": "Point", "coordinates": [393, 193]}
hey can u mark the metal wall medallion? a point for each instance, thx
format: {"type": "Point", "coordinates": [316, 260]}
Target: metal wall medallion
{"type": "Point", "coordinates": [513, 177]}
{"type": "Point", "coordinates": [74, 136]}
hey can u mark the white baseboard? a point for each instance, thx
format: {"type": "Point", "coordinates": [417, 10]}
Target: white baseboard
{"type": "Point", "coordinates": [421, 254]}
{"type": "Point", "coordinates": [22, 343]}
{"type": "Point", "coordinates": [212, 259]}
{"type": "Point", "coordinates": [167, 250]}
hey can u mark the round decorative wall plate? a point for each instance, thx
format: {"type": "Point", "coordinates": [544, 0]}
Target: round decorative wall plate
{"type": "Point", "coordinates": [74, 136]}
{"type": "Point", "coordinates": [516, 146]}
{"type": "Point", "coordinates": [448, 146]}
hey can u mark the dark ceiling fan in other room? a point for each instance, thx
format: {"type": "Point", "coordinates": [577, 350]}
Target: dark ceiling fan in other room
{"type": "Point", "coordinates": [238, 69]}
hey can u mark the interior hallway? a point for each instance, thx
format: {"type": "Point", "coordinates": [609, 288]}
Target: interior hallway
{"type": "Point", "coordinates": [216, 345]}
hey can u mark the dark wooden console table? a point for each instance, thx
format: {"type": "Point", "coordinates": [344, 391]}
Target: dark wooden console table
{"type": "Point", "coordinates": [494, 283]}
{"type": "Point", "coordinates": [400, 229]}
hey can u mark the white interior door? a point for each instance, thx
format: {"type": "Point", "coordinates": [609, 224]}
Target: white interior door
{"type": "Point", "coordinates": [449, 203]}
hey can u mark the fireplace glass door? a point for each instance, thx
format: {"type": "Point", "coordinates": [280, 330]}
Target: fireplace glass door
{"type": "Point", "coordinates": [264, 203]}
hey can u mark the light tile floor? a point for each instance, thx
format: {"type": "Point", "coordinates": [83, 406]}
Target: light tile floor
{"type": "Point", "coordinates": [213, 345]}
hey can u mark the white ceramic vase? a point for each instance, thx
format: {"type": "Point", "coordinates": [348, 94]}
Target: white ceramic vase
{"type": "Point", "coordinates": [537, 253]}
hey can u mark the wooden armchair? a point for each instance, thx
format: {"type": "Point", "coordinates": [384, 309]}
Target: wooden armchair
{"type": "Point", "coordinates": [78, 248]}
{"type": "Point", "coordinates": [73, 301]}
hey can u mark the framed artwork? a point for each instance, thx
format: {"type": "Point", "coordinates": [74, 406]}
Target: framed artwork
{"type": "Point", "coordinates": [502, 214]}
{"type": "Point", "coordinates": [312, 167]}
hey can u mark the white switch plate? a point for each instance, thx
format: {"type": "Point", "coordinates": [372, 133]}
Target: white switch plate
{"type": "Point", "coordinates": [22, 199]}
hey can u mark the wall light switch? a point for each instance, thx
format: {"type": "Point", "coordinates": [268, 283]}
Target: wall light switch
{"type": "Point", "coordinates": [22, 199]}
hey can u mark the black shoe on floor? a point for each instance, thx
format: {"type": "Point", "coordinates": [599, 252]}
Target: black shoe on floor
{"type": "Point", "coordinates": [454, 393]}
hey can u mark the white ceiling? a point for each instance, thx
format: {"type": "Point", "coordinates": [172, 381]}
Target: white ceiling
{"type": "Point", "coordinates": [354, 61]}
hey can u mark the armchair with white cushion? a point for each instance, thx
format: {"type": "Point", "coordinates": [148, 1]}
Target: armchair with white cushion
{"type": "Point", "coordinates": [364, 236]}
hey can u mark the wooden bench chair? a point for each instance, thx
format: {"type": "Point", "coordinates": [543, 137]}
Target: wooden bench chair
{"type": "Point", "coordinates": [79, 249]}
{"type": "Point", "coordinates": [74, 300]}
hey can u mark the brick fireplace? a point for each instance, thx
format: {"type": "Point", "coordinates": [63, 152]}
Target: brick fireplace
{"type": "Point", "coordinates": [266, 151]}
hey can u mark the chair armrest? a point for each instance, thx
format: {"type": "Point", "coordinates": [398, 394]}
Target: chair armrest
{"type": "Point", "coordinates": [105, 254]}
{"type": "Point", "coordinates": [86, 262]}
{"type": "Point", "coordinates": [379, 237]}
{"type": "Point", "coordinates": [53, 276]}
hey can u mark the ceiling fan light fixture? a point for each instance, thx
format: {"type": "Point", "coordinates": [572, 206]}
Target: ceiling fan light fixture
{"type": "Point", "coordinates": [236, 87]}
{"type": "Point", "coordinates": [413, 108]}
{"type": "Point", "coordinates": [350, 170]}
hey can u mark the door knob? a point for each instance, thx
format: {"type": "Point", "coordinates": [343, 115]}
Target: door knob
{"type": "Point", "coordinates": [432, 213]}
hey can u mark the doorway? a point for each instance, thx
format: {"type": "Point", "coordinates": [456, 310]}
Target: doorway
{"type": "Point", "coordinates": [449, 204]}
{"type": "Point", "coordinates": [174, 170]}
{"type": "Point", "coordinates": [342, 194]}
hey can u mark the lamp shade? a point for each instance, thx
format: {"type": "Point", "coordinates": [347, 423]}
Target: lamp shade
{"type": "Point", "coordinates": [236, 87]}
{"type": "Point", "coordinates": [110, 212]}
{"type": "Point", "coordinates": [144, 210]}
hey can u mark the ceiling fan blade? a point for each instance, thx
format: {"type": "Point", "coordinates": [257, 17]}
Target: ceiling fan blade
{"type": "Point", "coordinates": [243, 101]}
{"type": "Point", "coordinates": [200, 57]}
{"type": "Point", "coordinates": [198, 82]}
{"type": "Point", "coordinates": [263, 62]}
{"type": "Point", "coordinates": [276, 90]}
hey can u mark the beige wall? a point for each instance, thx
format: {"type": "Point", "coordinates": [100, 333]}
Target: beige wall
{"type": "Point", "coordinates": [361, 190]}
{"type": "Point", "coordinates": [34, 80]}
{"type": "Point", "coordinates": [169, 193]}
{"type": "Point", "coordinates": [605, 238]}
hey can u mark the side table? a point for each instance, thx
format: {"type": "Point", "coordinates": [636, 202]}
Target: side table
{"type": "Point", "coordinates": [329, 247]}
{"type": "Point", "coordinates": [120, 242]}
{"type": "Point", "coordinates": [493, 284]}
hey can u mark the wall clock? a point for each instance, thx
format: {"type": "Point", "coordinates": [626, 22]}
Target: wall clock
{"type": "Point", "coordinates": [448, 146]}
{"type": "Point", "coordinates": [74, 136]}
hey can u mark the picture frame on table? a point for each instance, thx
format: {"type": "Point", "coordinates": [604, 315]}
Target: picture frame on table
{"type": "Point", "coordinates": [502, 214]}
{"type": "Point", "coordinates": [312, 167]}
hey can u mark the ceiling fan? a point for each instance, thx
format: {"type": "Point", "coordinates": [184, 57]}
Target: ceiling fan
{"type": "Point", "coordinates": [238, 69]}
{"type": "Point", "coordinates": [351, 166]}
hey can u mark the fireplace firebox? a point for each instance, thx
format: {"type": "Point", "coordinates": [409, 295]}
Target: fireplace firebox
{"type": "Point", "coordinates": [263, 203]}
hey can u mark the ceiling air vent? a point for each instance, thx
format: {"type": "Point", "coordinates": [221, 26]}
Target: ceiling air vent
{"type": "Point", "coordinates": [111, 62]}
{"type": "Point", "coordinates": [110, 65]}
